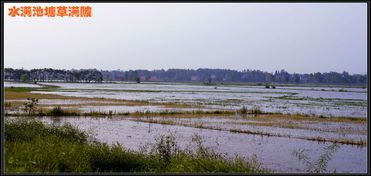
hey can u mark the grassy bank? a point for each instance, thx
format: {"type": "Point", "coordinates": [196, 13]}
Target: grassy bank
{"type": "Point", "coordinates": [31, 146]}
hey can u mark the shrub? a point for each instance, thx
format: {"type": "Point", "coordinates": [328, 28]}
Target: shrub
{"type": "Point", "coordinates": [30, 106]}
{"type": "Point", "coordinates": [256, 111]}
{"type": "Point", "coordinates": [56, 111]}
{"type": "Point", "coordinates": [243, 110]}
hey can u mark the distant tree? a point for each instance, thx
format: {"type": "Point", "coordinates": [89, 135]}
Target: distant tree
{"type": "Point", "coordinates": [203, 74]}
{"type": "Point", "coordinates": [23, 78]}
{"type": "Point", "coordinates": [296, 78]}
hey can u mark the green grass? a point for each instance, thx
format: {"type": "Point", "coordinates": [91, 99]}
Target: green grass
{"type": "Point", "coordinates": [18, 89]}
{"type": "Point", "coordinates": [29, 89]}
{"type": "Point", "coordinates": [31, 146]}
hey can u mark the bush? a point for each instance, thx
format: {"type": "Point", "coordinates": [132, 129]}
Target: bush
{"type": "Point", "coordinates": [56, 111]}
{"type": "Point", "coordinates": [243, 110]}
{"type": "Point", "coordinates": [256, 111]}
{"type": "Point", "coordinates": [30, 106]}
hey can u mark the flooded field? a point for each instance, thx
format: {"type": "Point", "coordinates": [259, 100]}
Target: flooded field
{"type": "Point", "coordinates": [278, 122]}
{"type": "Point", "coordinates": [334, 102]}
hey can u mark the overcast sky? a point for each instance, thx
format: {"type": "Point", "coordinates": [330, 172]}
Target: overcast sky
{"type": "Point", "coordinates": [301, 38]}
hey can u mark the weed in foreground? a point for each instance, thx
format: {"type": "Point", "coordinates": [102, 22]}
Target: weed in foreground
{"type": "Point", "coordinates": [320, 165]}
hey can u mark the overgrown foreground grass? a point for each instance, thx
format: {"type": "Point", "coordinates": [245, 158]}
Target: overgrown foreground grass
{"type": "Point", "coordinates": [31, 146]}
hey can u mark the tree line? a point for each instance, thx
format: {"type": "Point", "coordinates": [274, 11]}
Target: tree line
{"type": "Point", "coordinates": [53, 75]}
{"type": "Point", "coordinates": [207, 76]}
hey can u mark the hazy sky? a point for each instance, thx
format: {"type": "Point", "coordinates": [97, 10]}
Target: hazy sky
{"type": "Point", "coordinates": [301, 38]}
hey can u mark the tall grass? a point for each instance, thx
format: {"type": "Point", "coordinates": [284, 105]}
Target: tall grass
{"type": "Point", "coordinates": [31, 146]}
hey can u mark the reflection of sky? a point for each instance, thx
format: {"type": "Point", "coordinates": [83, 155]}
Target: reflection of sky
{"type": "Point", "coordinates": [301, 37]}
{"type": "Point", "coordinates": [15, 84]}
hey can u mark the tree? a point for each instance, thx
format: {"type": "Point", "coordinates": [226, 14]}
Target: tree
{"type": "Point", "coordinates": [23, 78]}
{"type": "Point", "coordinates": [296, 78]}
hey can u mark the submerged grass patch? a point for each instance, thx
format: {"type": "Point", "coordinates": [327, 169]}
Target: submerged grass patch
{"type": "Point", "coordinates": [335, 101]}
{"type": "Point", "coordinates": [342, 141]}
{"type": "Point", "coordinates": [201, 125]}
{"type": "Point", "coordinates": [13, 95]}
{"type": "Point", "coordinates": [31, 146]}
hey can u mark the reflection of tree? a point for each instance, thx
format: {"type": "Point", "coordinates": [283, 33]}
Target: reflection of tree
{"type": "Point", "coordinates": [56, 120]}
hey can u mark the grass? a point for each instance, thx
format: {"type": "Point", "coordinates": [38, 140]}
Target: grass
{"type": "Point", "coordinates": [298, 125]}
{"type": "Point", "coordinates": [336, 101]}
{"type": "Point", "coordinates": [171, 122]}
{"type": "Point", "coordinates": [59, 111]}
{"type": "Point", "coordinates": [319, 139]}
{"type": "Point", "coordinates": [21, 95]}
{"type": "Point", "coordinates": [342, 141]}
{"type": "Point", "coordinates": [257, 133]}
{"type": "Point", "coordinates": [18, 89]}
{"type": "Point", "coordinates": [31, 146]}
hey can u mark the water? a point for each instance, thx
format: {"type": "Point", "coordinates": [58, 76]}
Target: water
{"type": "Point", "coordinates": [273, 152]}
{"type": "Point", "coordinates": [16, 84]}
{"type": "Point", "coordinates": [300, 100]}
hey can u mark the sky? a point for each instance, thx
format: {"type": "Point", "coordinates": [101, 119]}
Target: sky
{"type": "Point", "coordinates": [296, 37]}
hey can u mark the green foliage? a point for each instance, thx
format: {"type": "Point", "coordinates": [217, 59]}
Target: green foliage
{"type": "Point", "coordinates": [166, 148]}
{"type": "Point", "coordinates": [201, 159]}
{"type": "Point", "coordinates": [103, 158]}
{"type": "Point", "coordinates": [23, 78]}
{"type": "Point", "coordinates": [243, 110]}
{"type": "Point", "coordinates": [57, 111]}
{"type": "Point", "coordinates": [23, 130]}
